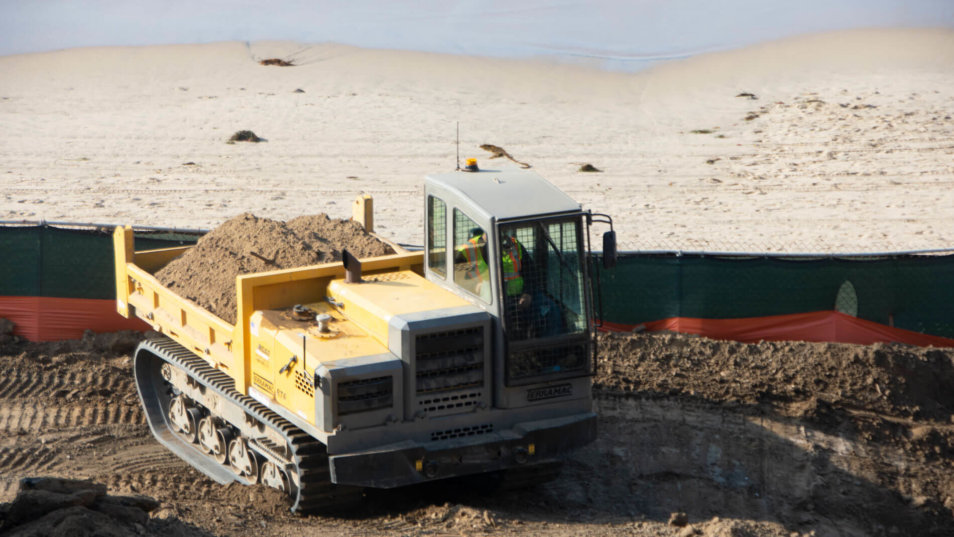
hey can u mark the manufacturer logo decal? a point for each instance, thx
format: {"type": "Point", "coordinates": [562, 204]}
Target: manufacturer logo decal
{"type": "Point", "coordinates": [549, 392]}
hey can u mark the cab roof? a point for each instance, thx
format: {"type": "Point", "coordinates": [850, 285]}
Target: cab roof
{"type": "Point", "coordinates": [505, 194]}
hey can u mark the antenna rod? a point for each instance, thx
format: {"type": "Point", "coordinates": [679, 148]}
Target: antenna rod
{"type": "Point", "coordinates": [458, 146]}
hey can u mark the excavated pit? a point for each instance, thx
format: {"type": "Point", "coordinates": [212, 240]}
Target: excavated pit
{"type": "Point", "coordinates": [792, 438]}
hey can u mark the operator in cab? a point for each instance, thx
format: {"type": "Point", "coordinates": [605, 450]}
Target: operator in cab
{"type": "Point", "coordinates": [528, 312]}
{"type": "Point", "coordinates": [472, 256]}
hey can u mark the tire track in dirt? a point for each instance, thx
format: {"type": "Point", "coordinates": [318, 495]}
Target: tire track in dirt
{"type": "Point", "coordinates": [22, 461]}
{"type": "Point", "coordinates": [49, 439]}
{"type": "Point", "coordinates": [124, 457]}
{"type": "Point", "coordinates": [38, 417]}
{"type": "Point", "coordinates": [179, 480]}
{"type": "Point", "coordinates": [17, 384]}
{"type": "Point", "coordinates": [148, 460]}
{"type": "Point", "coordinates": [62, 413]}
{"type": "Point", "coordinates": [144, 466]}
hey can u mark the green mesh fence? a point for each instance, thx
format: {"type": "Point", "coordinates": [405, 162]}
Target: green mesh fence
{"type": "Point", "coordinates": [910, 292]}
{"type": "Point", "coordinates": [65, 262]}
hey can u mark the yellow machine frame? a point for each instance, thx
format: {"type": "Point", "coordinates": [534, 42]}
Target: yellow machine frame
{"type": "Point", "coordinates": [223, 345]}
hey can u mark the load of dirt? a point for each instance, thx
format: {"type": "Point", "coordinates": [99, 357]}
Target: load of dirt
{"type": "Point", "coordinates": [248, 244]}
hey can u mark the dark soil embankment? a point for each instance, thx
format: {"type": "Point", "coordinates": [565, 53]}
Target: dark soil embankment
{"type": "Point", "coordinates": [836, 438]}
{"type": "Point", "coordinates": [794, 378]}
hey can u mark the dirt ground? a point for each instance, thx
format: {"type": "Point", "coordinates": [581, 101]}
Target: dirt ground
{"type": "Point", "coordinates": [770, 439]}
{"type": "Point", "coordinates": [247, 244]}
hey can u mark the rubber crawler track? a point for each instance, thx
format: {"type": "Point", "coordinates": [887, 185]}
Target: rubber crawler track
{"type": "Point", "coordinates": [308, 459]}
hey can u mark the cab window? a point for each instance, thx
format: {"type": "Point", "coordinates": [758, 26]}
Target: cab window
{"type": "Point", "coordinates": [437, 236]}
{"type": "Point", "coordinates": [471, 262]}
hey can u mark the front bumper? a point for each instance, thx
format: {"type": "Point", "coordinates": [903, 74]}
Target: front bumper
{"type": "Point", "coordinates": [407, 463]}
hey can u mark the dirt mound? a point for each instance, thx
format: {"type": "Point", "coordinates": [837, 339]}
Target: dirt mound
{"type": "Point", "coordinates": [797, 379]}
{"type": "Point", "coordinates": [108, 344]}
{"type": "Point", "coordinates": [247, 244]}
{"type": "Point", "coordinates": [7, 339]}
{"type": "Point", "coordinates": [52, 507]}
{"type": "Point", "coordinates": [455, 519]}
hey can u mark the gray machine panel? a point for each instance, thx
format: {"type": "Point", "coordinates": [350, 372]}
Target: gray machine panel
{"type": "Point", "coordinates": [504, 194]}
{"type": "Point", "coordinates": [332, 378]}
{"type": "Point", "coordinates": [447, 356]}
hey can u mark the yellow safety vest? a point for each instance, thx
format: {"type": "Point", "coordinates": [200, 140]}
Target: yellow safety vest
{"type": "Point", "coordinates": [512, 260]}
{"type": "Point", "coordinates": [477, 265]}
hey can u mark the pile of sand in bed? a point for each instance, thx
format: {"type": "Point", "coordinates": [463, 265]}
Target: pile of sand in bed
{"type": "Point", "coordinates": [248, 244]}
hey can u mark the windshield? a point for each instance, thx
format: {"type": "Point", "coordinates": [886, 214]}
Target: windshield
{"type": "Point", "coordinates": [541, 269]}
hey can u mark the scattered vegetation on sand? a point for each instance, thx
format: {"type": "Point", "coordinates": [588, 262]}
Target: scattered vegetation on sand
{"type": "Point", "coordinates": [277, 61]}
{"type": "Point", "coordinates": [589, 168]}
{"type": "Point", "coordinates": [702, 131]}
{"type": "Point", "coordinates": [244, 136]}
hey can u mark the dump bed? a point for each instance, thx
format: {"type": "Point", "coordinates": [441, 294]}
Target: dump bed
{"type": "Point", "coordinates": [223, 345]}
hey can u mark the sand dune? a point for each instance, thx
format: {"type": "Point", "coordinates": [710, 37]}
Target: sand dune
{"type": "Point", "coordinates": [847, 146]}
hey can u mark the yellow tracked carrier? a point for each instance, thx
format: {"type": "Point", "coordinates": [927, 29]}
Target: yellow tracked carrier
{"type": "Point", "coordinates": [386, 371]}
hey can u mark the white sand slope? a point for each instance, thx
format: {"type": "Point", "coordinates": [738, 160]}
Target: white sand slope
{"type": "Point", "coordinates": [849, 145]}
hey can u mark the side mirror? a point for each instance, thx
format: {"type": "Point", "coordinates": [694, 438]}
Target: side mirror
{"type": "Point", "coordinates": [609, 249]}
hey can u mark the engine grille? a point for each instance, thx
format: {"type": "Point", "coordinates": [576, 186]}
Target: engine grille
{"type": "Point", "coordinates": [447, 361]}
{"type": "Point", "coordinates": [449, 370]}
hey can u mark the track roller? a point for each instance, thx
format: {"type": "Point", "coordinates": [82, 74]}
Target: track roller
{"type": "Point", "coordinates": [214, 439]}
{"type": "Point", "coordinates": [243, 460]}
{"type": "Point", "coordinates": [274, 477]}
{"type": "Point", "coordinates": [184, 418]}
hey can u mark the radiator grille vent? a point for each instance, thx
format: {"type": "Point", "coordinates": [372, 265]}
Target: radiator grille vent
{"type": "Point", "coordinates": [459, 401]}
{"type": "Point", "coordinates": [449, 361]}
{"type": "Point", "coordinates": [462, 432]}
